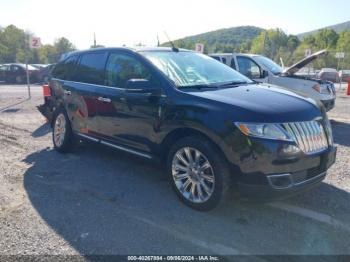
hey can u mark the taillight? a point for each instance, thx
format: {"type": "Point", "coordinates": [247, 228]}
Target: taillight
{"type": "Point", "coordinates": [46, 90]}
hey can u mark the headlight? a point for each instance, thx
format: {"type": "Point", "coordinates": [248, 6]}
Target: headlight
{"type": "Point", "coordinates": [268, 131]}
{"type": "Point", "coordinates": [322, 89]}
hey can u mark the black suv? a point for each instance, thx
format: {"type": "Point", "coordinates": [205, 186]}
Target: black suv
{"type": "Point", "coordinates": [210, 125]}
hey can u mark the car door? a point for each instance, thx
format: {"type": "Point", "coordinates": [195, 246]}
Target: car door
{"type": "Point", "coordinates": [18, 74]}
{"type": "Point", "coordinates": [74, 82]}
{"type": "Point", "coordinates": [249, 68]}
{"type": "Point", "coordinates": [127, 118]}
{"type": "Point", "coordinates": [83, 92]}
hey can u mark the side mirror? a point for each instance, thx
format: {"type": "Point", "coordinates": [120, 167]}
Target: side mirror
{"type": "Point", "coordinates": [142, 86]}
{"type": "Point", "coordinates": [264, 74]}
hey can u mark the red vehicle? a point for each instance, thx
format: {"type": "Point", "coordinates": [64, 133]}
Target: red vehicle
{"type": "Point", "coordinates": [16, 73]}
{"type": "Point", "coordinates": [344, 75]}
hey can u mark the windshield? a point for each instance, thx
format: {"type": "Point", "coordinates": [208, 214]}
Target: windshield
{"type": "Point", "coordinates": [269, 64]}
{"type": "Point", "coordinates": [188, 69]}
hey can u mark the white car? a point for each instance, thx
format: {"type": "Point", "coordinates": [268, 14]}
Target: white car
{"type": "Point", "coordinates": [263, 69]}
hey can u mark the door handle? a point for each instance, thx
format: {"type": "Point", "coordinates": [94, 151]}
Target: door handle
{"type": "Point", "coordinates": [104, 99]}
{"type": "Point", "coordinates": [66, 92]}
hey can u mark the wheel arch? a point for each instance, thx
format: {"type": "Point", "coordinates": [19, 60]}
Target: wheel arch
{"type": "Point", "coordinates": [183, 132]}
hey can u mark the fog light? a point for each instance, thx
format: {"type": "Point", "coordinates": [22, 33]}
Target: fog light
{"type": "Point", "coordinates": [290, 150]}
{"type": "Point", "coordinates": [281, 181]}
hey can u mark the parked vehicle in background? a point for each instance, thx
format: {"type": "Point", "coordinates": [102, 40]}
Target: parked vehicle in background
{"type": "Point", "coordinates": [211, 125]}
{"type": "Point", "coordinates": [344, 75]}
{"type": "Point", "coordinates": [262, 69]}
{"type": "Point", "coordinates": [306, 72]}
{"type": "Point", "coordinates": [45, 73]}
{"type": "Point", "coordinates": [16, 73]}
{"type": "Point", "coordinates": [39, 66]}
{"type": "Point", "coordinates": [329, 74]}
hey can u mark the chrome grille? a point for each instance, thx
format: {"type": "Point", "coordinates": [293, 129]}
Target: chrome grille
{"type": "Point", "coordinates": [310, 136]}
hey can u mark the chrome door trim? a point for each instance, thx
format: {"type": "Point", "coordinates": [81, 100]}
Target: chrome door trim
{"type": "Point", "coordinates": [145, 155]}
{"type": "Point", "coordinates": [127, 150]}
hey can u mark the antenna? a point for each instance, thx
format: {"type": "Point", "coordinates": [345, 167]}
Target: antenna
{"type": "Point", "coordinates": [173, 47]}
{"type": "Point", "coordinates": [94, 40]}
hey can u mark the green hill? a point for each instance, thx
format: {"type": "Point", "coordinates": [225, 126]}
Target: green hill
{"type": "Point", "coordinates": [337, 27]}
{"type": "Point", "coordinates": [221, 40]}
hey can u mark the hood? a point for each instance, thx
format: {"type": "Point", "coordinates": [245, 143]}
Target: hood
{"type": "Point", "coordinates": [263, 103]}
{"type": "Point", "coordinates": [297, 66]}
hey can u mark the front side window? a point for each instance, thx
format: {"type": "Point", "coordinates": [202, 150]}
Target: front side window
{"type": "Point", "coordinates": [248, 67]}
{"type": "Point", "coordinates": [14, 68]}
{"type": "Point", "coordinates": [65, 69]}
{"type": "Point", "coordinates": [91, 68]}
{"type": "Point", "coordinates": [187, 69]}
{"type": "Point", "coordinates": [121, 68]}
{"type": "Point", "coordinates": [269, 64]}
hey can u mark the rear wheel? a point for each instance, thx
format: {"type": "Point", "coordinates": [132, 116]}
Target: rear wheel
{"type": "Point", "coordinates": [199, 174]}
{"type": "Point", "coordinates": [62, 135]}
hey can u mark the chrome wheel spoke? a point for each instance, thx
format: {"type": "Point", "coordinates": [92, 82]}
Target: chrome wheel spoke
{"type": "Point", "coordinates": [185, 185]}
{"type": "Point", "coordinates": [204, 166]}
{"type": "Point", "coordinates": [197, 157]}
{"type": "Point", "coordinates": [200, 192]}
{"type": "Point", "coordinates": [193, 191]}
{"type": "Point", "coordinates": [188, 155]}
{"type": "Point", "coordinates": [182, 159]}
{"type": "Point", "coordinates": [181, 176]}
{"type": "Point", "coordinates": [208, 178]}
{"type": "Point", "coordinates": [205, 187]}
{"type": "Point", "coordinates": [179, 167]}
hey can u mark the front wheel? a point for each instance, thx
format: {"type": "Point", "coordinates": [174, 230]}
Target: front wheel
{"type": "Point", "coordinates": [199, 174]}
{"type": "Point", "coordinates": [62, 135]}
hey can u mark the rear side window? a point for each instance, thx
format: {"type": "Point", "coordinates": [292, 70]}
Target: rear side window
{"type": "Point", "coordinates": [65, 69]}
{"type": "Point", "coordinates": [121, 68]}
{"type": "Point", "coordinates": [91, 68]}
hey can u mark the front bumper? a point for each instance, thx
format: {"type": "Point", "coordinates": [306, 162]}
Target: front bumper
{"type": "Point", "coordinates": [299, 181]}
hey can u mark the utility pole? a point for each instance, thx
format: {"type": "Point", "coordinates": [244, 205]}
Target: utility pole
{"type": "Point", "coordinates": [26, 44]}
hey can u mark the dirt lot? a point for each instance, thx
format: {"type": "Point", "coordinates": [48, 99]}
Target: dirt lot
{"type": "Point", "coordinates": [97, 201]}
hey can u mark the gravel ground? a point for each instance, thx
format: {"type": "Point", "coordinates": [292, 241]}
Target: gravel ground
{"type": "Point", "coordinates": [98, 201]}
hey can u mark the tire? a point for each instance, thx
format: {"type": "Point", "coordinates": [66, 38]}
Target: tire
{"type": "Point", "coordinates": [62, 135]}
{"type": "Point", "coordinates": [215, 176]}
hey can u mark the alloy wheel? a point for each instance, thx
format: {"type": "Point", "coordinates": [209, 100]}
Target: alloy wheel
{"type": "Point", "coordinates": [193, 175]}
{"type": "Point", "coordinates": [59, 130]}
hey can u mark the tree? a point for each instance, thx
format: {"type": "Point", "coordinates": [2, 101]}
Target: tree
{"type": "Point", "coordinates": [343, 45]}
{"type": "Point", "coordinates": [62, 45]}
{"type": "Point", "coordinates": [326, 39]}
{"type": "Point", "coordinates": [13, 39]}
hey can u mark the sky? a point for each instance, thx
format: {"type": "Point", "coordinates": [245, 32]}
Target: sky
{"type": "Point", "coordinates": [129, 22]}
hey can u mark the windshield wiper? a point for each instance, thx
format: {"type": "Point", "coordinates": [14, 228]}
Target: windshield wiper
{"type": "Point", "coordinates": [199, 86]}
{"type": "Point", "coordinates": [235, 83]}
